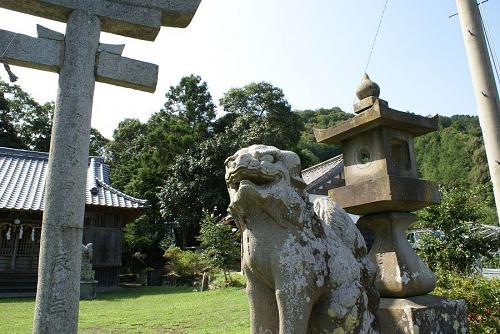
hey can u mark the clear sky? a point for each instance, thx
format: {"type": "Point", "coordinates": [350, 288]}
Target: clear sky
{"type": "Point", "coordinates": [315, 50]}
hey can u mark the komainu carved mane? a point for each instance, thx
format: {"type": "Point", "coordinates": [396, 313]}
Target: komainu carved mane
{"type": "Point", "coordinates": [306, 266]}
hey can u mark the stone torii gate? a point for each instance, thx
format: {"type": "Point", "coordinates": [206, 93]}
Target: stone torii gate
{"type": "Point", "coordinates": [80, 60]}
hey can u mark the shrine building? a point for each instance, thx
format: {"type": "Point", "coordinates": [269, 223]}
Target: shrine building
{"type": "Point", "coordinates": [22, 190]}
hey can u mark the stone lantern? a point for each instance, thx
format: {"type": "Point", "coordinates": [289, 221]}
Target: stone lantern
{"type": "Point", "coordinates": [382, 185]}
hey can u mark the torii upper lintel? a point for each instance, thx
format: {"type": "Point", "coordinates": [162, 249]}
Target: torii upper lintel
{"type": "Point", "coordinates": [141, 19]}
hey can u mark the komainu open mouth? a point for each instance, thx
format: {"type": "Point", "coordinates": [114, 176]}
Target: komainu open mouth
{"type": "Point", "coordinates": [253, 176]}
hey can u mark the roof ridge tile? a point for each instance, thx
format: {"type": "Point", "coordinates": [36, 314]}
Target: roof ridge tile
{"type": "Point", "coordinates": [22, 182]}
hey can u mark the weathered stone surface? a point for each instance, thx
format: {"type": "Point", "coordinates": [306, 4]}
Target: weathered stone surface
{"type": "Point", "coordinates": [46, 54]}
{"type": "Point", "coordinates": [367, 88]}
{"type": "Point", "coordinates": [58, 291]}
{"type": "Point", "coordinates": [137, 19]}
{"type": "Point", "coordinates": [88, 290]}
{"type": "Point", "coordinates": [116, 49]}
{"type": "Point", "coordinates": [400, 272]}
{"type": "Point", "coordinates": [120, 19]}
{"type": "Point", "coordinates": [379, 152]}
{"type": "Point", "coordinates": [87, 273]}
{"type": "Point", "coordinates": [307, 268]}
{"type": "Point", "coordinates": [125, 72]}
{"type": "Point", "coordinates": [386, 193]}
{"type": "Point", "coordinates": [88, 284]}
{"type": "Point", "coordinates": [378, 115]}
{"type": "Point", "coordinates": [364, 104]}
{"type": "Point", "coordinates": [37, 53]}
{"type": "Point", "coordinates": [175, 13]}
{"type": "Point", "coordinates": [44, 32]}
{"type": "Point", "coordinates": [422, 314]}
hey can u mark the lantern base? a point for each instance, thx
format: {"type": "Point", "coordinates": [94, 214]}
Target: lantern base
{"type": "Point", "coordinates": [422, 314]}
{"type": "Point", "coordinates": [400, 271]}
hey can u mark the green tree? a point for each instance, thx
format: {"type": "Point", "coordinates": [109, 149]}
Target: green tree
{"type": "Point", "coordinates": [192, 101]}
{"type": "Point", "coordinates": [142, 241]}
{"type": "Point", "coordinates": [455, 154]}
{"type": "Point", "coordinates": [98, 143]}
{"type": "Point", "coordinates": [269, 105]}
{"type": "Point", "coordinates": [195, 181]}
{"type": "Point", "coordinates": [8, 134]}
{"type": "Point", "coordinates": [308, 149]}
{"type": "Point", "coordinates": [142, 153]}
{"type": "Point", "coordinates": [458, 216]}
{"type": "Point", "coordinates": [124, 153]}
{"type": "Point", "coordinates": [28, 124]}
{"type": "Point", "coordinates": [185, 120]}
{"type": "Point", "coordinates": [445, 156]}
{"type": "Point", "coordinates": [32, 121]}
{"type": "Point", "coordinates": [166, 137]}
{"type": "Point", "coordinates": [220, 243]}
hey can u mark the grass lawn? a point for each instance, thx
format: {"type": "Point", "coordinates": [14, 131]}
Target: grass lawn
{"type": "Point", "coordinates": [145, 310]}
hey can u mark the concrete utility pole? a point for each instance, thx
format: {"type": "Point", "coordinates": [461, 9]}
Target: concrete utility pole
{"type": "Point", "coordinates": [485, 89]}
{"type": "Point", "coordinates": [80, 60]}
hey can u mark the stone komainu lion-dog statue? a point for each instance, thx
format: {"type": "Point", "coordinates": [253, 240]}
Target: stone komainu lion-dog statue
{"type": "Point", "coordinates": [306, 267]}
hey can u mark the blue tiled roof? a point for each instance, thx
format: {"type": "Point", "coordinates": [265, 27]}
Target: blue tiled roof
{"type": "Point", "coordinates": [22, 182]}
{"type": "Point", "coordinates": [317, 173]}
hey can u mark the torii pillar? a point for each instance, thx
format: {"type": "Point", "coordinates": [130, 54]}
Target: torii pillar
{"type": "Point", "coordinates": [80, 61]}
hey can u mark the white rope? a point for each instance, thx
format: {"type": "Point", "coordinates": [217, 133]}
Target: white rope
{"type": "Point", "coordinates": [8, 46]}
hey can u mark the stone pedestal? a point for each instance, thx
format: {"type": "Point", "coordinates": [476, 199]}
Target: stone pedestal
{"type": "Point", "coordinates": [88, 290]}
{"type": "Point", "coordinates": [422, 314]}
{"type": "Point", "coordinates": [88, 284]}
{"type": "Point", "coordinates": [401, 272]}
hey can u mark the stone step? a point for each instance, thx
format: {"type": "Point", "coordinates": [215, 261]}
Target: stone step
{"type": "Point", "coordinates": [17, 277]}
{"type": "Point", "coordinates": [12, 283]}
{"type": "Point", "coordinates": [19, 287]}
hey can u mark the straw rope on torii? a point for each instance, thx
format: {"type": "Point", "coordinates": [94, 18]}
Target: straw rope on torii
{"type": "Point", "coordinates": [80, 60]}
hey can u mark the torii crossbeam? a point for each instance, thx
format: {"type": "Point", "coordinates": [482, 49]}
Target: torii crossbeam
{"type": "Point", "coordinates": [80, 60]}
{"type": "Point", "coordinates": [47, 51]}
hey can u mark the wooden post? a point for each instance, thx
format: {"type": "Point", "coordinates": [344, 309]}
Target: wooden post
{"type": "Point", "coordinates": [15, 233]}
{"type": "Point", "coordinates": [58, 291]}
{"type": "Point", "coordinates": [485, 89]}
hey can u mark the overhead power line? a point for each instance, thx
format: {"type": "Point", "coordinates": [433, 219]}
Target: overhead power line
{"type": "Point", "coordinates": [374, 41]}
{"type": "Point", "coordinates": [376, 35]}
{"type": "Point", "coordinates": [489, 40]}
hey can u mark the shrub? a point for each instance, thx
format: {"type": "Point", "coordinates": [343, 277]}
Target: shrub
{"type": "Point", "coordinates": [481, 295]}
{"type": "Point", "coordinates": [219, 281]}
{"type": "Point", "coordinates": [185, 264]}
